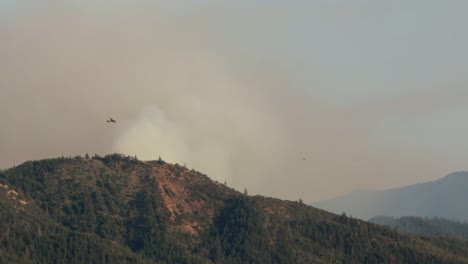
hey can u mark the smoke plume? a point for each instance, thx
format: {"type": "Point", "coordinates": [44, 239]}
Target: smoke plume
{"type": "Point", "coordinates": [178, 93]}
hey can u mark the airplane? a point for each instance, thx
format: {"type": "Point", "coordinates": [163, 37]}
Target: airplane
{"type": "Point", "coordinates": [111, 120]}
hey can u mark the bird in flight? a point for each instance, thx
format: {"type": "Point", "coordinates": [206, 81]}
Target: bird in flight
{"type": "Point", "coordinates": [111, 120]}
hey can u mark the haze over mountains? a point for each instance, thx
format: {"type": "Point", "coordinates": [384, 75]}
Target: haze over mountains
{"type": "Point", "coordinates": [371, 92]}
{"type": "Point", "coordinates": [298, 100]}
{"type": "Point", "coordinates": [446, 197]}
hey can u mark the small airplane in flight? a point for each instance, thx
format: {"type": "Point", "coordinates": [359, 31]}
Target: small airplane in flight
{"type": "Point", "coordinates": [111, 120]}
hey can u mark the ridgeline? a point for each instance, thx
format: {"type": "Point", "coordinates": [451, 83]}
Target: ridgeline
{"type": "Point", "coordinates": [117, 209]}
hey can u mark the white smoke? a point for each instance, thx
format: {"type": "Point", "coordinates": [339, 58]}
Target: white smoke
{"type": "Point", "coordinates": [179, 90]}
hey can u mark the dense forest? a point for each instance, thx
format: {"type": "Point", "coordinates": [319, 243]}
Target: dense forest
{"type": "Point", "coordinates": [434, 227]}
{"type": "Point", "coordinates": [117, 209]}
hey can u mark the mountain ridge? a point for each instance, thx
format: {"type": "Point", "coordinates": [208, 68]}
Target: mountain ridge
{"type": "Point", "coordinates": [117, 209]}
{"type": "Point", "coordinates": [435, 227]}
{"type": "Point", "coordinates": [444, 197]}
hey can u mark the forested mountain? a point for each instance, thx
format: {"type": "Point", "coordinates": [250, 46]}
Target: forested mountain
{"type": "Point", "coordinates": [446, 198]}
{"type": "Point", "coordinates": [117, 209]}
{"type": "Point", "coordinates": [425, 226]}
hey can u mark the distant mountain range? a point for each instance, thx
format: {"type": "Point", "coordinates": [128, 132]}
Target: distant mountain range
{"type": "Point", "coordinates": [117, 209]}
{"type": "Point", "coordinates": [446, 197]}
{"type": "Point", "coordinates": [434, 227]}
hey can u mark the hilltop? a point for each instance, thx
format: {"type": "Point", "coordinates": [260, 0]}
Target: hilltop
{"type": "Point", "coordinates": [117, 209]}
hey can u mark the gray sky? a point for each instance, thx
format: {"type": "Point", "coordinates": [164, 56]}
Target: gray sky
{"type": "Point", "coordinates": [303, 99]}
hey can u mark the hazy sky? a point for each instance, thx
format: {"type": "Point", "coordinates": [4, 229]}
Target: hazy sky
{"type": "Point", "coordinates": [303, 99]}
